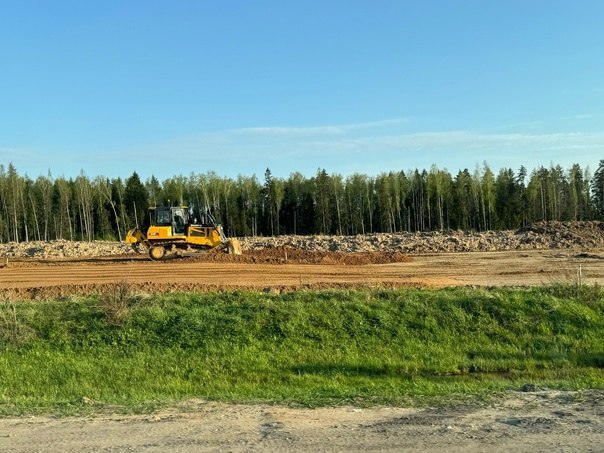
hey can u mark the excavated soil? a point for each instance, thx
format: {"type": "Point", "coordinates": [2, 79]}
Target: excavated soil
{"type": "Point", "coordinates": [287, 254]}
{"type": "Point", "coordinates": [540, 254]}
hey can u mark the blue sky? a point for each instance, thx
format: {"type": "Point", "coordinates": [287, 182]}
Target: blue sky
{"type": "Point", "coordinates": [174, 87]}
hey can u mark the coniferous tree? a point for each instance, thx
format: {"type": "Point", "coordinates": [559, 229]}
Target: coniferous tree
{"type": "Point", "coordinates": [136, 201]}
{"type": "Point", "coordinates": [597, 189]}
{"type": "Point", "coordinates": [508, 200]}
{"type": "Point", "coordinates": [321, 201]}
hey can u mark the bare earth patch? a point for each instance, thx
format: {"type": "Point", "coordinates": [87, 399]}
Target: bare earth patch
{"type": "Point", "coordinates": [539, 421]}
{"type": "Point", "coordinates": [44, 279]}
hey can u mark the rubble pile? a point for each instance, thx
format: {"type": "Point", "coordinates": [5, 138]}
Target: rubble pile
{"type": "Point", "coordinates": [62, 249]}
{"type": "Point", "coordinates": [540, 235]}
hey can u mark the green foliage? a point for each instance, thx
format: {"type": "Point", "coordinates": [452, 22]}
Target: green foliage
{"type": "Point", "coordinates": [328, 347]}
{"type": "Point", "coordinates": [117, 303]}
{"type": "Point", "coordinates": [392, 201]}
{"type": "Point", "coordinates": [13, 332]}
{"type": "Point", "coordinates": [591, 295]}
{"type": "Point", "coordinates": [136, 200]}
{"type": "Point", "coordinates": [597, 189]}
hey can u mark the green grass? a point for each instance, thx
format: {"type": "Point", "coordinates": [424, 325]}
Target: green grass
{"type": "Point", "coordinates": [359, 347]}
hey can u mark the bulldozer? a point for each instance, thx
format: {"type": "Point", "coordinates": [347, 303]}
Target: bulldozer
{"type": "Point", "coordinates": [177, 230]}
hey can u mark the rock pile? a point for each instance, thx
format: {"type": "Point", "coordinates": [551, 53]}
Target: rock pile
{"type": "Point", "coordinates": [541, 235]}
{"type": "Point", "coordinates": [62, 249]}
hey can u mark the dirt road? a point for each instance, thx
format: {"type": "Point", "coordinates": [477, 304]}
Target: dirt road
{"type": "Point", "coordinates": [541, 421]}
{"type": "Point", "coordinates": [55, 278]}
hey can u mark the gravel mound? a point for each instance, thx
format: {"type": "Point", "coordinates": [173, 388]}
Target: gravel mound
{"type": "Point", "coordinates": [540, 235]}
{"type": "Point", "coordinates": [62, 249]}
{"type": "Point", "coordinates": [323, 249]}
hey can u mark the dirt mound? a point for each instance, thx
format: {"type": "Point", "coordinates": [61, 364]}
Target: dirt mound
{"type": "Point", "coordinates": [538, 236]}
{"type": "Point", "coordinates": [586, 234]}
{"type": "Point", "coordinates": [61, 248]}
{"type": "Point", "coordinates": [286, 254]}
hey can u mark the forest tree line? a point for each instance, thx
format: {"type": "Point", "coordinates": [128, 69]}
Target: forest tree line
{"type": "Point", "coordinates": [82, 208]}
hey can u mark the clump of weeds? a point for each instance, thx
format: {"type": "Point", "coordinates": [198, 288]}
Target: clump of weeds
{"type": "Point", "coordinates": [118, 303]}
{"type": "Point", "coordinates": [13, 331]}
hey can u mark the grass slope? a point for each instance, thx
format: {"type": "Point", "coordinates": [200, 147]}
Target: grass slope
{"type": "Point", "coordinates": [310, 348]}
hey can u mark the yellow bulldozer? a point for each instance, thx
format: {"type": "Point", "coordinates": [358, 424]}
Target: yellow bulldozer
{"type": "Point", "coordinates": [177, 230]}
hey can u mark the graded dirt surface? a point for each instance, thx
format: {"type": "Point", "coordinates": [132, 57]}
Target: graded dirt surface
{"type": "Point", "coordinates": [43, 279]}
{"type": "Point", "coordinates": [537, 421]}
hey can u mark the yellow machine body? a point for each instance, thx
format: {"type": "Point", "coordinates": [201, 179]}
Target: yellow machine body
{"type": "Point", "coordinates": [172, 229]}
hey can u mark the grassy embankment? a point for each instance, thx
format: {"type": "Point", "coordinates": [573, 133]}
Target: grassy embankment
{"type": "Point", "coordinates": [311, 348]}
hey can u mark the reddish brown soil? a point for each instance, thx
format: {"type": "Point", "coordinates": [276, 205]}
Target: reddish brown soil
{"type": "Point", "coordinates": [270, 270]}
{"type": "Point", "coordinates": [292, 255]}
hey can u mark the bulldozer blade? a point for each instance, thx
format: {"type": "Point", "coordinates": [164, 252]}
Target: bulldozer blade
{"type": "Point", "coordinates": [234, 247]}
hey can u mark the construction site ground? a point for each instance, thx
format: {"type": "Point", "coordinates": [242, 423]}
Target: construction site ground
{"type": "Point", "coordinates": [540, 254]}
{"type": "Point", "coordinates": [47, 279]}
{"type": "Point", "coordinates": [543, 420]}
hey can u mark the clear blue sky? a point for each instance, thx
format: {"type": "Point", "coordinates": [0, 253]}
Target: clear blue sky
{"type": "Point", "coordinates": [174, 87]}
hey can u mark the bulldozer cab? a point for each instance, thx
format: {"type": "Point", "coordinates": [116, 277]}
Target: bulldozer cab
{"type": "Point", "coordinates": [175, 217]}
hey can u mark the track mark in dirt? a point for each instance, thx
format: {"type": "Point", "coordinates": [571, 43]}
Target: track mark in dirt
{"type": "Point", "coordinates": [274, 430]}
{"type": "Point", "coordinates": [534, 423]}
{"type": "Point", "coordinates": [589, 256]}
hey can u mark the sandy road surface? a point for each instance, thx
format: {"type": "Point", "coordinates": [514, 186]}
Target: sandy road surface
{"type": "Point", "coordinates": [39, 279]}
{"type": "Point", "coordinates": [541, 421]}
